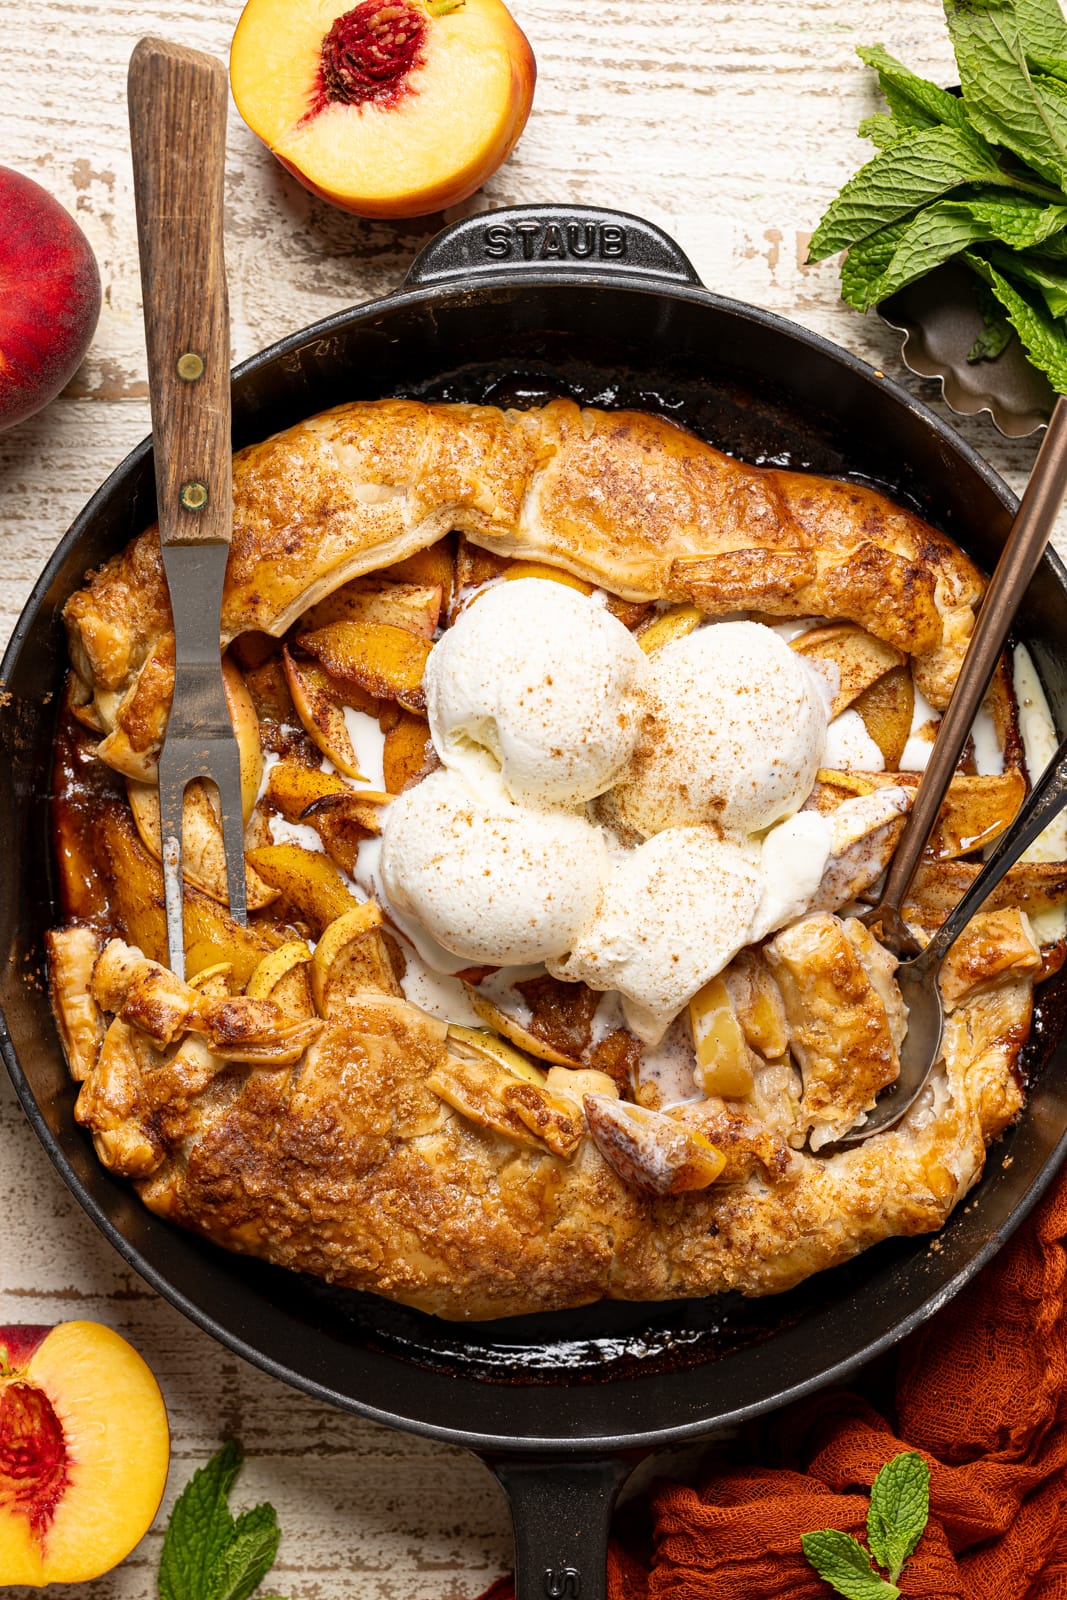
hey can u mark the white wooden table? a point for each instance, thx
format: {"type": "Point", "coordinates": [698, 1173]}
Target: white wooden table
{"type": "Point", "coordinates": [731, 125]}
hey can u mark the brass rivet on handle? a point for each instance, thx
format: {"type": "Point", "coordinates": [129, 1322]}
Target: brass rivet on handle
{"type": "Point", "coordinates": [190, 366]}
{"type": "Point", "coordinates": [194, 496]}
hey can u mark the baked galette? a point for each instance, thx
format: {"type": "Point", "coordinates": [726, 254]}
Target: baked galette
{"type": "Point", "coordinates": [569, 748]}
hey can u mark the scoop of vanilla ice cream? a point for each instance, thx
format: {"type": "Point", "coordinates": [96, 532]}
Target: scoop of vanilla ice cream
{"type": "Point", "coordinates": [735, 735]}
{"type": "Point", "coordinates": [793, 858]}
{"type": "Point", "coordinates": [673, 913]}
{"type": "Point", "coordinates": [492, 881]}
{"type": "Point", "coordinates": [547, 682]}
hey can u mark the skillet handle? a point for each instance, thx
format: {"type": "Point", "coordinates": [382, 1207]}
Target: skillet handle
{"type": "Point", "coordinates": [561, 1513]}
{"type": "Point", "coordinates": [567, 240]}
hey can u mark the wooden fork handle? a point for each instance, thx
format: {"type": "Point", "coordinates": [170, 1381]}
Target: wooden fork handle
{"type": "Point", "coordinates": [177, 104]}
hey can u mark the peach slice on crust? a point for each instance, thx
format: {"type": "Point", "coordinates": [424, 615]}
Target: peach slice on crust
{"type": "Point", "coordinates": [84, 1449]}
{"type": "Point", "coordinates": [393, 108]}
{"type": "Point", "coordinates": [382, 660]}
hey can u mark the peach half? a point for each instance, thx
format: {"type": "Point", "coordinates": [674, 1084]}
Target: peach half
{"type": "Point", "coordinates": [84, 1448]}
{"type": "Point", "coordinates": [393, 108]}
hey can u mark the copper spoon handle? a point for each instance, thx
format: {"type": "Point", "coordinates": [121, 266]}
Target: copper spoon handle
{"type": "Point", "coordinates": [1022, 552]}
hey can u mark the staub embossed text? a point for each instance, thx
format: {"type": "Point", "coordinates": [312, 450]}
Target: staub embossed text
{"type": "Point", "coordinates": [554, 241]}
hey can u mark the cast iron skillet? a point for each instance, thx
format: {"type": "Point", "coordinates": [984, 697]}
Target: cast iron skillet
{"type": "Point", "coordinates": [512, 307]}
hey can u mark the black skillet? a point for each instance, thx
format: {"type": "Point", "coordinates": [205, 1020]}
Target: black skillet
{"type": "Point", "coordinates": [512, 307]}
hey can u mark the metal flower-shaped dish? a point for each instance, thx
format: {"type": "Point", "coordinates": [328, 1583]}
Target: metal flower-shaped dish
{"type": "Point", "coordinates": [940, 319]}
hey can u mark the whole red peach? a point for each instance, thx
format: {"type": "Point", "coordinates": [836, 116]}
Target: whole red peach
{"type": "Point", "coordinates": [49, 296]}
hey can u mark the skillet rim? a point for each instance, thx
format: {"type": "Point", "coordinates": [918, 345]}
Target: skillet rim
{"type": "Point", "coordinates": [486, 282]}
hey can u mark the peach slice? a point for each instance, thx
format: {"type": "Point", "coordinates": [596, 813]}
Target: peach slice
{"type": "Point", "coordinates": [474, 1044]}
{"type": "Point", "coordinates": [858, 657]}
{"type": "Point", "coordinates": [886, 709]}
{"type": "Point", "coordinates": [321, 713]}
{"type": "Point", "coordinates": [392, 108]}
{"type": "Point", "coordinates": [473, 568]}
{"type": "Point", "coordinates": [628, 612]}
{"type": "Point", "coordinates": [369, 961]}
{"type": "Point", "coordinates": [273, 968]}
{"type": "Point", "coordinates": [84, 1450]}
{"type": "Point", "coordinates": [651, 1150]}
{"type": "Point", "coordinates": [541, 569]}
{"type": "Point", "coordinates": [495, 1087]}
{"type": "Point", "coordinates": [204, 854]}
{"type": "Point", "coordinates": [213, 981]}
{"type": "Point", "coordinates": [269, 690]}
{"type": "Point", "coordinates": [407, 749]}
{"type": "Point", "coordinates": [307, 880]}
{"type": "Point", "coordinates": [724, 1065]}
{"type": "Point", "coordinates": [433, 566]}
{"type": "Point", "coordinates": [674, 623]}
{"type": "Point", "coordinates": [757, 1002]}
{"type": "Point", "coordinates": [382, 660]}
{"type": "Point", "coordinates": [510, 1027]}
{"type": "Point", "coordinates": [246, 731]}
{"type": "Point", "coordinates": [414, 606]}
{"type": "Point", "coordinates": [294, 789]}
{"type": "Point", "coordinates": [302, 794]}
{"type": "Point", "coordinates": [976, 810]}
{"type": "Point", "coordinates": [212, 936]}
{"type": "Point", "coordinates": [340, 932]}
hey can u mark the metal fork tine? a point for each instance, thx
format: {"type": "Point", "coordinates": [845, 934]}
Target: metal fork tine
{"type": "Point", "coordinates": [226, 771]}
{"type": "Point", "coordinates": [171, 806]}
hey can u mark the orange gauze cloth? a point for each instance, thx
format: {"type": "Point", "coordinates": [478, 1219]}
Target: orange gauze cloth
{"type": "Point", "coordinates": [981, 1392]}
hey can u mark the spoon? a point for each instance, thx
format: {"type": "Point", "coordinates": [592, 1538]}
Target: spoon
{"type": "Point", "coordinates": [917, 977]}
{"type": "Point", "coordinates": [917, 971]}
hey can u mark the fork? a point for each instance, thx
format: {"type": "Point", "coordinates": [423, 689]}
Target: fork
{"type": "Point", "coordinates": [177, 104]}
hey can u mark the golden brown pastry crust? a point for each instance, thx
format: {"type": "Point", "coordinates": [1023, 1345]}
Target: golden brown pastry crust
{"type": "Point", "coordinates": [623, 499]}
{"type": "Point", "coordinates": [350, 1167]}
{"type": "Point", "coordinates": [351, 1163]}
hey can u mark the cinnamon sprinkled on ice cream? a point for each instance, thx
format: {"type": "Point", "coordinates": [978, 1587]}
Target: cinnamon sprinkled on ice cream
{"type": "Point", "coordinates": [736, 735]}
{"type": "Point", "coordinates": [539, 702]}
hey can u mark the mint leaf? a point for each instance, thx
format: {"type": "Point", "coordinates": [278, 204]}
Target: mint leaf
{"type": "Point", "coordinates": [914, 102]}
{"type": "Point", "coordinates": [1044, 35]}
{"type": "Point", "coordinates": [1043, 341]}
{"type": "Point", "coordinates": [898, 181]}
{"type": "Point", "coordinates": [936, 234]}
{"type": "Point", "coordinates": [1032, 273]}
{"type": "Point", "coordinates": [845, 1565]}
{"type": "Point", "coordinates": [199, 1529]}
{"type": "Point", "coordinates": [246, 1560]}
{"type": "Point", "coordinates": [1055, 247]}
{"type": "Point", "coordinates": [865, 265]}
{"type": "Point", "coordinates": [207, 1554]}
{"type": "Point", "coordinates": [900, 1505]}
{"type": "Point", "coordinates": [997, 332]}
{"type": "Point", "coordinates": [1015, 219]}
{"type": "Point", "coordinates": [1003, 102]}
{"type": "Point", "coordinates": [947, 227]}
{"type": "Point", "coordinates": [883, 131]}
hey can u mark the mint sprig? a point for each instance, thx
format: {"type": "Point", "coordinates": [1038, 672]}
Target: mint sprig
{"type": "Point", "coordinates": [979, 178]}
{"type": "Point", "coordinates": [208, 1553]}
{"type": "Point", "coordinates": [896, 1516]}
{"type": "Point", "coordinates": [899, 1510]}
{"type": "Point", "coordinates": [845, 1565]}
